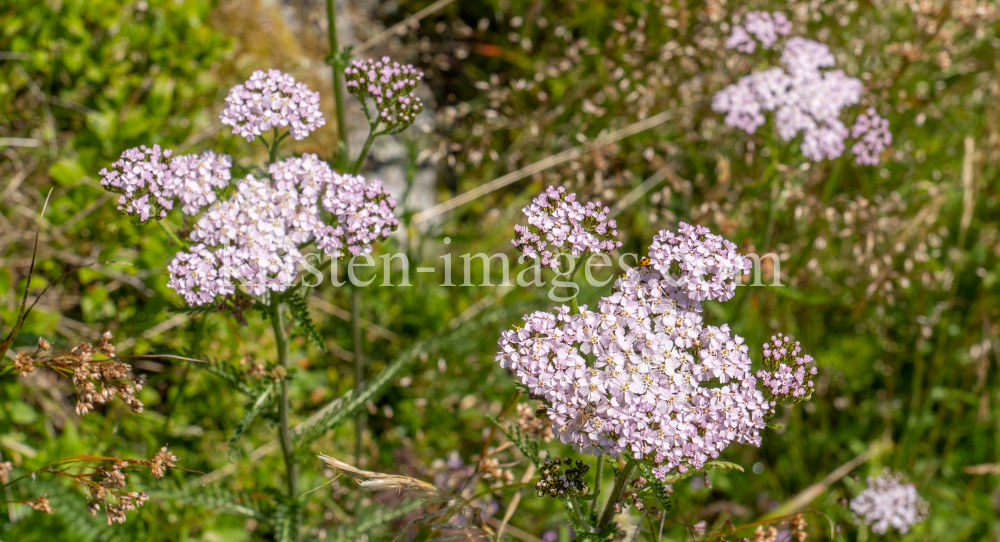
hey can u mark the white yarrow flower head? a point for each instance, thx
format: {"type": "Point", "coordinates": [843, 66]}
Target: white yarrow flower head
{"type": "Point", "coordinates": [269, 101]}
{"type": "Point", "coordinates": [890, 502]}
{"type": "Point", "coordinates": [557, 222]}
{"type": "Point", "coordinates": [652, 376]}
{"type": "Point", "coordinates": [389, 85]}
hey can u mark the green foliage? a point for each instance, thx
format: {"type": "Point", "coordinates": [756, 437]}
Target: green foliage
{"type": "Point", "coordinates": [261, 401]}
{"type": "Point", "coordinates": [659, 491]}
{"type": "Point", "coordinates": [527, 446]}
{"type": "Point", "coordinates": [286, 523]}
{"type": "Point", "coordinates": [121, 71]}
{"type": "Point", "coordinates": [377, 385]}
{"type": "Point", "coordinates": [235, 377]}
{"type": "Point", "coordinates": [303, 322]}
{"type": "Point", "coordinates": [889, 272]}
{"type": "Point", "coordinates": [373, 518]}
{"type": "Point", "coordinates": [217, 498]}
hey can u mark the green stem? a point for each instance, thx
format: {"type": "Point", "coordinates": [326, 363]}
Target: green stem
{"type": "Point", "coordinates": [273, 148]}
{"type": "Point", "coordinates": [772, 214]}
{"type": "Point", "coordinates": [364, 150]}
{"type": "Point", "coordinates": [572, 302]}
{"type": "Point", "coordinates": [170, 233]}
{"type": "Point", "coordinates": [284, 431]}
{"type": "Point", "coordinates": [577, 512]}
{"type": "Point", "coordinates": [598, 476]}
{"type": "Point", "coordinates": [621, 480]}
{"type": "Point", "coordinates": [338, 69]}
{"type": "Point", "coordinates": [359, 366]}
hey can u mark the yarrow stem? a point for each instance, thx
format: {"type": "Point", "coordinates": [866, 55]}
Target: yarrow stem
{"type": "Point", "coordinates": [372, 134]}
{"type": "Point", "coordinates": [338, 89]}
{"type": "Point", "coordinates": [577, 511]}
{"type": "Point", "coordinates": [598, 475]}
{"type": "Point", "coordinates": [572, 302]}
{"type": "Point", "coordinates": [616, 493]}
{"type": "Point", "coordinates": [273, 147]}
{"type": "Point", "coordinates": [170, 233]}
{"type": "Point", "coordinates": [287, 447]}
{"type": "Point", "coordinates": [359, 366]}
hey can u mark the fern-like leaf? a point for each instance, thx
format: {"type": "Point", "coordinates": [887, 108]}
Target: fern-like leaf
{"type": "Point", "coordinates": [375, 387]}
{"type": "Point", "coordinates": [303, 321]}
{"type": "Point", "coordinates": [659, 490]}
{"type": "Point", "coordinates": [216, 497]}
{"type": "Point", "coordinates": [286, 527]}
{"type": "Point", "coordinates": [261, 402]}
{"type": "Point", "coordinates": [371, 519]}
{"type": "Point", "coordinates": [527, 446]}
{"type": "Point", "coordinates": [232, 376]}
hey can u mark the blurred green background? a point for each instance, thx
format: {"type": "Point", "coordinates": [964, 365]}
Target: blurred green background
{"type": "Point", "coordinates": [890, 272]}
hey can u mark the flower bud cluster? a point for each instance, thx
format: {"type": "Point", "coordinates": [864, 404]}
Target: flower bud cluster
{"type": "Point", "coordinates": [803, 96]}
{"type": "Point", "coordinates": [390, 86]}
{"type": "Point", "coordinates": [41, 504]}
{"type": "Point", "coordinates": [494, 472]}
{"type": "Point", "coordinates": [889, 502]}
{"type": "Point", "coordinates": [563, 484]}
{"type": "Point", "coordinates": [271, 101]}
{"type": "Point", "coordinates": [786, 378]}
{"type": "Point", "coordinates": [557, 221]}
{"type": "Point", "coordinates": [100, 381]}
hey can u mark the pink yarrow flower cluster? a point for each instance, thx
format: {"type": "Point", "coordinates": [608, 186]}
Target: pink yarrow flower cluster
{"type": "Point", "coordinates": [272, 100]}
{"type": "Point", "coordinates": [390, 86]}
{"type": "Point", "coordinates": [560, 222]}
{"type": "Point", "coordinates": [804, 97]}
{"type": "Point", "coordinates": [709, 264]}
{"type": "Point", "coordinates": [255, 237]}
{"type": "Point", "coordinates": [787, 377]}
{"type": "Point", "coordinates": [889, 502]}
{"type": "Point", "coordinates": [759, 26]}
{"type": "Point", "coordinates": [150, 181]}
{"type": "Point", "coordinates": [873, 135]}
{"type": "Point", "coordinates": [663, 385]}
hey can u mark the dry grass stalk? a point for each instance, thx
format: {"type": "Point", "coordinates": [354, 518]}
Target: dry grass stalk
{"type": "Point", "coordinates": [377, 481]}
